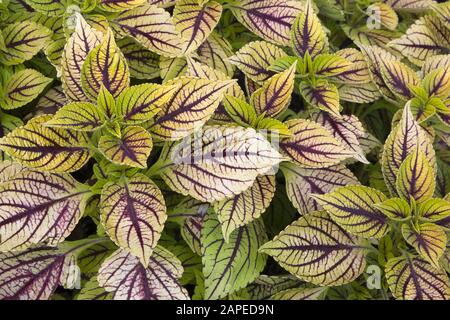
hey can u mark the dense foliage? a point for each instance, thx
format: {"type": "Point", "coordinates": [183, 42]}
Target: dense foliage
{"type": "Point", "coordinates": [253, 149]}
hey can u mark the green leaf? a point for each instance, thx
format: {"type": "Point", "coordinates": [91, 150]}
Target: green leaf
{"type": "Point", "coordinates": [230, 266]}
{"type": "Point", "coordinates": [22, 41]}
{"type": "Point", "coordinates": [80, 116]}
{"type": "Point", "coordinates": [131, 149]}
{"type": "Point", "coordinates": [322, 95]}
{"type": "Point", "coordinates": [240, 111]}
{"type": "Point", "coordinates": [317, 250]}
{"type": "Point", "coordinates": [428, 239]}
{"type": "Point", "coordinates": [353, 208]}
{"type": "Point", "coordinates": [23, 87]}
{"type": "Point", "coordinates": [416, 178]}
{"type": "Point", "coordinates": [433, 209]}
{"type": "Point", "coordinates": [395, 208]}
{"type": "Point", "coordinates": [327, 65]}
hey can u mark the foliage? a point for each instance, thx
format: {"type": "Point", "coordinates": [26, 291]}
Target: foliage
{"type": "Point", "coordinates": [224, 149]}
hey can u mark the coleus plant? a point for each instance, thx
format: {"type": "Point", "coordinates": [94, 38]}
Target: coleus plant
{"type": "Point", "coordinates": [140, 143]}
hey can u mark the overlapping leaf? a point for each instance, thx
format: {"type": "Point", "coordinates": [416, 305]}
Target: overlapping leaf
{"type": "Point", "coordinates": [80, 116]}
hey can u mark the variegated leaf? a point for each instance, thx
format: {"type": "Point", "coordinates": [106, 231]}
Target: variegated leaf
{"type": "Point", "coordinates": [398, 77]}
{"type": "Point", "coordinates": [105, 66]}
{"type": "Point", "coordinates": [347, 129]}
{"type": "Point", "coordinates": [22, 40]}
{"type": "Point", "coordinates": [119, 5]}
{"type": "Point", "coordinates": [51, 101]}
{"type": "Point", "coordinates": [92, 291]}
{"type": "Point", "coordinates": [402, 140]}
{"type": "Point", "coordinates": [357, 72]}
{"type": "Point", "coordinates": [425, 38]}
{"type": "Point", "coordinates": [302, 182]}
{"type": "Point", "coordinates": [47, 149]}
{"type": "Point", "coordinates": [300, 293]}
{"type": "Point", "coordinates": [141, 103]}
{"type": "Point", "coordinates": [133, 213]}
{"type": "Point", "coordinates": [38, 207]}
{"type": "Point", "coordinates": [383, 14]}
{"type": "Point", "coordinates": [221, 162]}
{"type": "Point", "coordinates": [230, 266]}
{"type": "Point", "coordinates": [428, 239]}
{"type": "Point", "coordinates": [308, 35]}
{"type": "Point", "coordinates": [124, 276]}
{"type": "Point", "coordinates": [322, 95]}
{"type": "Point", "coordinates": [416, 177]}
{"type": "Point", "coordinates": [434, 209]}
{"type": "Point", "coordinates": [395, 208]}
{"type": "Point", "coordinates": [33, 274]}
{"type": "Point", "coordinates": [327, 65]}
{"type": "Point", "coordinates": [255, 58]}
{"type": "Point", "coordinates": [353, 208]}
{"type": "Point", "coordinates": [316, 249]}
{"type": "Point", "coordinates": [81, 42]}
{"type": "Point", "coordinates": [131, 149]}
{"type": "Point", "coordinates": [8, 169]}
{"type": "Point", "coordinates": [311, 145]}
{"type": "Point", "coordinates": [143, 63]}
{"type": "Point", "coordinates": [245, 207]}
{"type": "Point", "coordinates": [275, 95]}
{"type": "Point", "coordinates": [152, 27]}
{"type": "Point", "coordinates": [214, 52]}
{"type": "Point", "coordinates": [437, 82]}
{"type": "Point", "coordinates": [369, 36]}
{"type": "Point", "coordinates": [411, 278]}
{"type": "Point", "coordinates": [192, 104]}
{"type": "Point", "coordinates": [22, 88]}
{"type": "Point", "coordinates": [194, 22]}
{"type": "Point", "coordinates": [359, 93]}
{"type": "Point", "coordinates": [79, 116]}
{"type": "Point", "coordinates": [435, 62]}
{"type": "Point", "coordinates": [49, 7]}
{"type": "Point", "coordinates": [270, 19]}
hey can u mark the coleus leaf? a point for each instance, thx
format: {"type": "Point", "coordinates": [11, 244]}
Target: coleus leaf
{"type": "Point", "coordinates": [245, 207]}
{"type": "Point", "coordinates": [347, 129]}
{"type": "Point", "coordinates": [83, 39]}
{"type": "Point", "coordinates": [255, 58]}
{"type": "Point", "coordinates": [22, 88]}
{"type": "Point", "coordinates": [172, 68]}
{"type": "Point", "coordinates": [369, 36]}
{"type": "Point", "coordinates": [92, 291]}
{"type": "Point", "coordinates": [384, 15]}
{"type": "Point", "coordinates": [357, 72]}
{"type": "Point", "coordinates": [141, 103]}
{"type": "Point", "coordinates": [38, 207]}
{"type": "Point", "coordinates": [51, 101]}
{"type": "Point", "coordinates": [222, 162]}
{"type": "Point", "coordinates": [50, 149]}
{"type": "Point", "coordinates": [105, 66]}
{"type": "Point", "coordinates": [143, 63]}
{"type": "Point", "coordinates": [7, 124]}
{"type": "Point", "coordinates": [119, 5]}
{"type": "Point", "coordinates": [433, 209]}
{"type": "Point", "coordinates": [9, 169]}
{"type": "Point", "coordinates": [301, 183]}
{"type": "Point", "coordinates": [300, 293]}
{"type": "Point", "coordinates": [80, 116]}
{"type": "Point", "coordinates": [395, 208]}
{"type": "Point", "coordinates": [133, 213]}
{"type": "Point", "coordinates": [322, 95]}
{"type": "Point", "coordinates": [353, 208]}
{"type": "Point", "coordinates": [308, 35]}
{"type": "Point", "coordinates": [437, 82]}
{"type": "Point", "coordinates": [194, 22]}
{"type": "Point", "coordinates": [49, 8]}
{"type": "Point", "coordinates": [151, 26]}
{"type": "Point", "coordinates": [131, 149]}
{"type": "Point", "coordinates": [192, 104]}
{"type": "Point", "coordinates": [33, 274]}
{"type": "Point", "coordinates": [411, 278]}
{"type": "Point", "coordinates": [416, 177]}
{"type": "Point", "coordinates": [270, 19]}
{"type": "Point", "coordinates": [124, 276]}
{"type": "Point", "coordinates": [265, 286]}
{"type": "Point", "coordinates": [403, 139]}
{"type": "Point", "coordinates": [425, 38]}
{"type": "Point", "coordinates": [316, 249]}
{"type": "Point", "coordinates": [435, 62]}
{"type": "Point", "coordinates": [91, 258]}
{"type": "Point", "coordinates": [214, 52]}
{"type": "Point", "coordinates": [358, 93]}
{"type": "Point", "coordinates": [275, 94]}
{"type": "Point", "coordinates": [326, 65]}
{"type": "Point", "coordinates": [22, 40]}
{"type": "Point", "coordinates": [398, 77]}
{"type": "Point", "coordinates": [311, 145]}
{"type": "Point", "coordinates": [230, 266]}
{"type": "Point", "coordinates": [428, 239]}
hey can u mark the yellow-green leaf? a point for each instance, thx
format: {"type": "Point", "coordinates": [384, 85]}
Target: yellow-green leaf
{"type": "Point", "coordinates": [80, 116]}
{"type": "Point", "coordinates": [433, 209]}
{"type": "Point", "coordinates": [437, 82]}
{"type": "Point", "coordinates": [49, 149]}
{"type": "Point", "coordinates": [105, 65]}
{"type": "Point", "coordinates": [416, 177]}
{"type": "Point", "coordinates": [327, 65]}
{"type": "Point", "coordinates": [395, 208]}
{"type": "Point", "coordinates": [119, 5]}
{"type": "Point", "coordinates": [322, 95]}
{"type": "Point", "coordinates": [317, 250]}
{"type": "Point", "coordinates": [131, 149]}
{"type": "Point", "coordinates": [383, 14]}
{"type": "Point", "coordinates": [353, 208]}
